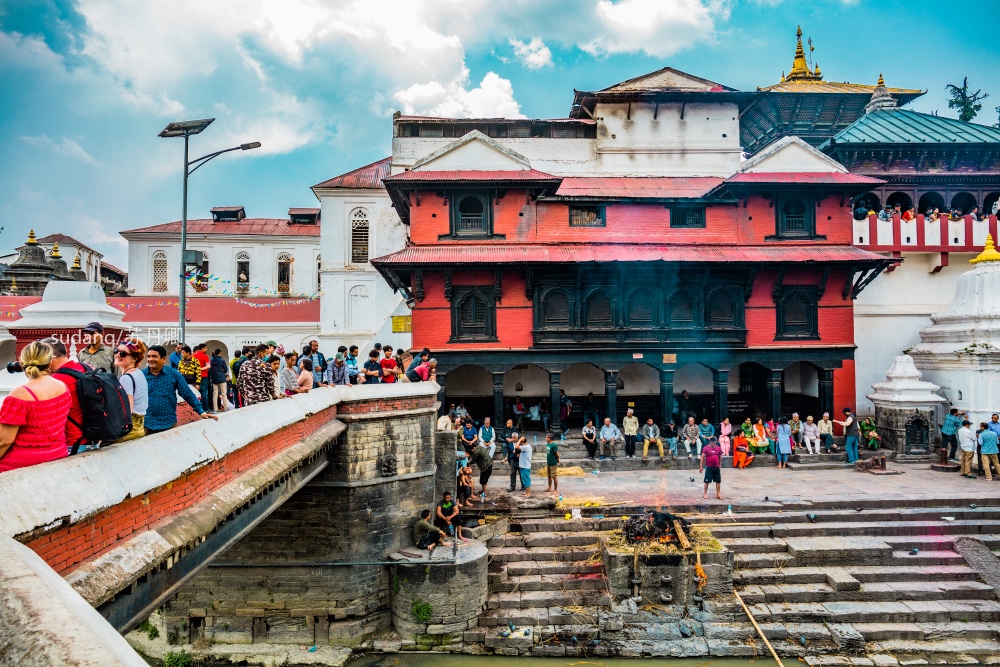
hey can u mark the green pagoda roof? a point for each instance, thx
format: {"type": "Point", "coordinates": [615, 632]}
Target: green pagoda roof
{"type": "Point", "coordinates": [902, 126]}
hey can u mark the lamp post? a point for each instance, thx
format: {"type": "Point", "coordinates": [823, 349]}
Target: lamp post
{"type": "Point", "coordinates": [186, 128]}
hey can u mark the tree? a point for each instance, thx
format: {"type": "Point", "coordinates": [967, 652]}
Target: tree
{"type": "Point", "coordinates": [968, 104]}
{"type": "Point", "coordinates": [997, 124]}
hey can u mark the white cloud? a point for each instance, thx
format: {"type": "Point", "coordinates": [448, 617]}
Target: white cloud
{"type": "Point", "coordinates": [493, 98]}
{"type": "Point", "coordinates": [657, 28]}
{"type": "Point", "coordinates": [66, 148]}
{"type": "Point", "coordinates": [533, 54]}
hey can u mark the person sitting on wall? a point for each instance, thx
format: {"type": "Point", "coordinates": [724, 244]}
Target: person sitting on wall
{"type": "Point", "coordinates": [426, 535]}
{"type": "Point", "coordinates": [469, 435]}
{"type": "Point", "coordinates": [589, 433]}
{"type": "Point", "coordinates": [826, 433]}
{"type": "Point", "coordinates": [447, 514]}
{"type": "Point", "coordinates": [742, 454]}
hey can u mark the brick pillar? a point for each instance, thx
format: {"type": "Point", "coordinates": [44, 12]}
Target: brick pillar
{"type": "Point", "coordinates": [666, 396]}
{"type": "Point", "coordinates": [720, 390]}
{"type": "Point", "coordinates": [611, 395]}
{"type": "Point", "coordinates": [826, 391]}
{"type": "Point", "coordinates": [554, 404]}
{"type": "Point", "coordinates": [498, 399]}
{"type": "Point", "coordinates": [774, 394]}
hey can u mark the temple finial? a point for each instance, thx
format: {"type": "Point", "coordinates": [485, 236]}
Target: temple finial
{"type": "Point", "coordinates": [989, 253]}
{"type": "Point", "coordinates": [881, 81]}
{"type": "Point", "coordinates": [800, 69]}
{"type": "Point", "coordinates": [76, 261]}
{"type": "Point", "coordinates": [31, 237]}
{"type": "Point", "coordinates": [55, 250]}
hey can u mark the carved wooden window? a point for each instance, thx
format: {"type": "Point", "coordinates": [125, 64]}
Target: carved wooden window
{"type": "Point", "coordinates": [721, 310]}
{"type": "Point", "coordinates": [160, 271]}
{"type": "Point", "coordinates": [470, 215]}
{"type": "Point", "coordinates": [201, 281]}
{"type": "Point", "coordinates": [473, 312]}
{"type": "Point", "coordinates": [798, 313]}
{"type": "Point", "coordinates": [359, 236]}
{"type": "Point", "coordinates": [641, 309]}
{"type": "Point", "coordinates": [682, 310]}
{"type": "Point", "coordinates": [687, 217]}
{"type": "Point", "coordinates": [556, 310]}
{"type": "Point", "coordinates": [284, 272]}
{"type": "Point", "coordinates": [599, 311]}
{"type": "Point", "coordinates": [795, 217]}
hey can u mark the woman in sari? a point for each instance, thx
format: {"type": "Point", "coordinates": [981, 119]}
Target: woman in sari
{"type": "Point", "coordinates": [868, 433]}
{"type": "Point", "coordinates": [759, 441]}
{"type": "Point", "coordinates": [725, 430]}
{"type": "Point", "coordinates": [742, 456]}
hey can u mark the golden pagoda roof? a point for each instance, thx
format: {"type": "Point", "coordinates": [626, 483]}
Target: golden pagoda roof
{"type": "Point", "coordinates": [989, 253]}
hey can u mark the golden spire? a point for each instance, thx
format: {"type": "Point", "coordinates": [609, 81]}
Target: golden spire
{"type": "Point", "coordinates": [989, 253]}
{"type": "Point", "coordinates": [881, 81]}
{"type": "Point", "coordinates": [800, 69]}
{"type": "Point", "coordinates": [782, 76]}
{"type": "Point", "coordinates": [31, 238]}
{"type": "Point", "coordinates": [13, 284]}
{"type": "Point", "coordinates": [817, 72]}
{"type": "Point", "coordinates": [55, 250]}
{"type": "Point", "coordinates": [76, 262]}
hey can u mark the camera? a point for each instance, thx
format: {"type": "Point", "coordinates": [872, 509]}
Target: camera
{"type": "Point", "coordinates": [15, 367]}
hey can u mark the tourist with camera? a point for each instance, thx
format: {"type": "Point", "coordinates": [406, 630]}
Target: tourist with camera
{"type": "Point", "coordinates": [33, 417]}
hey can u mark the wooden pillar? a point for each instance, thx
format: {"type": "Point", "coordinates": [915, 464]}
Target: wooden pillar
{"type": "Point", "coordinates": [442, 398]}
{"type": "Point", "coordinates": [666, 396]}
{"type": "Point", "coordinates": [720, 391]}
{"type": "Point", "coordinates": [498, 416]}
{"type": "Point", "coordinates": [611, 395]}
{"type": "Point", "coordinates": [826, 391]}
{"type": "Point", "coordinates": [774, 394]}
{"type": "Point", "coordinates": [554, 425]}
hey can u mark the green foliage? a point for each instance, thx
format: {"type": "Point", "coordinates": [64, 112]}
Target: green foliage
{"type": "Point", "coordinates": [174, 635]}
{"type": "Point", "coordinates": [422, 611]}
{"type": "Point", "coordinates": [149, 629]}
{"type": "Point", "coordinates": [968, 104]}
{"type": "Point", "coordinates": [395, 585]}
{"type": "Point", "coordinates": [178, 659]}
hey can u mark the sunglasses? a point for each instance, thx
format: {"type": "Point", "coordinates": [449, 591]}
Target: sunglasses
{"type": "Point", "coordinates": [122, 353]}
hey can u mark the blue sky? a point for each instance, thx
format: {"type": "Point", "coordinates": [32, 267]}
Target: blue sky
{"type": "Point", "coordinates": [89, 83]}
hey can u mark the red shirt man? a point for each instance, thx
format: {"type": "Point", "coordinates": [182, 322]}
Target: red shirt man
{"type": "Point", "coordinates": [388, 365]}
{"type": "Point", "coordinates": [203, 360]}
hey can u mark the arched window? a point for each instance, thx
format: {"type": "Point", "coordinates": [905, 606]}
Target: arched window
{"type": "Point", "coordinates": [681, 310]}
{"type": "Point", "coordinates": [359, 236]}
{"type": "Point", "coordinates": [556, 310]}
{"type": "Point", "coordinates": [930, 201]}
{"type": "Point", "coordinates": [201, 282]}
{"type": "Point", "coordinates": [964, 202]}
{"type": "Point", "coordinates": [798, 313]}
{"type": "Point", "coordinates": [471, 216]}
{"type": "Point", "coordinates": [319, 278]}
{"type": "Point", "coordinates": [242, 270]}
{"type": "Point", "coordinates": [721, 310]}
{"type": "Point", "coordinates": [285, 272]}
{"type": "Point", "coordinates": [900, 198]}
{"type": "Point", "coordinates": [473, 314]}
{"type": "Point", "coordinates": [159, 271]}
{"type": "Point", "coordinates": [793, 216]}
{"type": "Point", "coordinates": [641, 309]}
{"type": "Point", "coordinates": [599, 311]}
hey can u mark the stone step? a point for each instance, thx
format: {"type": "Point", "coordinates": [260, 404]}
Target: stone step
{"type": "Point", "coordinates": [548, 598]}
{"type": "Point", "coordinates": [925, 558]}
{"type": "Point", "coordinates": [749, 561]}
{"type": "Point", "coordinates": [851, 514]}
{"type": "Point", "coordinates": [762, 560]}
{"type": "Point", "coordinates": [541, 554]}
{"type": "Point", "coordinates": [888, 528]}
{"type": "Point", "coordinates": [937, 611]}
{"type": "Point", "coordinates": [552, 525]}
{"type": "Point", "coordinates": [863, 573]}
{"type": "Point", "coordinates": [745, 545]}
{"type": "Point", "coordinates": [541, 617]}
{"type": "Point", "coordinates": [837, 549]}
{"type": "Point", "coordinates": [556, 582]}
{"type": "Point", "coordinates": [826, 465]}
{"type": "Point", "coordinates": [522, 568]}
{"type": "Point", "coordinates": [939, 651]}
{"type": "Point", "coordinates": [553, 539]}
{"type": "Point", "coordinates": [876, 592]}
{"type": "Point", "coordinates": [926, 631]}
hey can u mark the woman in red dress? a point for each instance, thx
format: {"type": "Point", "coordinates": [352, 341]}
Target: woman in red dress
{"type": "Point", "coordinates": [33, 416]}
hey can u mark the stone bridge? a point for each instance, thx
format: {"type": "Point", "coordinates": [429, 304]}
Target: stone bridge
{"type": "Point", "coordinates": [127, 526]}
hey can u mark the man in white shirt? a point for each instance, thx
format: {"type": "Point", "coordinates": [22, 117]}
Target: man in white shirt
{"type": "Point", "coordinates": [609, 436]}
{"type": "Point", "coordinates": [967, 443]}
{"type": "Point", "coordinates": [488, 437]}
{"type": "Point", "coordinates": [523, 451]}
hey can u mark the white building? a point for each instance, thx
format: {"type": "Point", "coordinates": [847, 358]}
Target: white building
{"type": "Point", "coordinates": [358, 307]}
{"type": "Point", "coordinates": [244, 256]}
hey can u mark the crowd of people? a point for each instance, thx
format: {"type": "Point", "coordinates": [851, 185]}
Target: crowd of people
{"type": "Point", "coordinates": [112, 394]}
{"type": "Point", "coordinates": [932, 213]}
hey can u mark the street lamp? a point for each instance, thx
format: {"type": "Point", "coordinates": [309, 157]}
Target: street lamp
{"type": "Point", "coordinates": [186, 128]}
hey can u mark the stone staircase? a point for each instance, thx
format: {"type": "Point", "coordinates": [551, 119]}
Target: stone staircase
{"type": "Point", "coordinates": [883, 582]}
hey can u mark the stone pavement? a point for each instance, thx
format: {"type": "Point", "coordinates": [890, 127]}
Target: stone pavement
{"type": "Point", "coordinates": [748, 489]}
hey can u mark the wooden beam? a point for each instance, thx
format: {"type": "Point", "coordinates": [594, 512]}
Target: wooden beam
{"type": "Point", "coordinates": [685, 544]}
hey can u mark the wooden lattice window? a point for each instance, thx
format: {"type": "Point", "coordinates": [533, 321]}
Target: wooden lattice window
{"type": "Point", "coordinates": [473, 314]}
{"type": "Point", "coordinates": [242, 270]}
{"type": "Point", "coordinates": [284, 272]}
{"type": "Point", "coordinates": [587, 216]}
{"type": "Point", "coordinates": [599, 310]}
{"type": "Point", "coordinates": [201, 279]}
{"type": "Point", "coordinates": [160, 271]}
{"type": "Point", "coordinates": [721, 311]}
{"type": "Point", "coordinates": [556, 310]}
{"type": "Point", "coordinates": [681, 310]}
{"type": "Point", "coordinates": [641, 309]}
{"type": "Point", "coordinates": [797, 313]}
{"type": "Point", "coordinates": [359, 236]}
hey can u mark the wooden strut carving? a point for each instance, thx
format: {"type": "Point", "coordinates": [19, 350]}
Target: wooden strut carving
{"type": "Point", "coordinates": [497, 285]}
{"type": "Point", "coordinates": [748, 290]}
{"type": "Point", "coordinates": [418, 289]}
{"type": "Point", "coordinates": [822, 283]}
{"type": "Point", "coordinates": [447, 285]}
{"type": "Point", "coordinates": [529, 285]}
{"type": "Point", "coordinates": [776, 292]}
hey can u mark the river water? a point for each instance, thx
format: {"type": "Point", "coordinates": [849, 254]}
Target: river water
{"type": "Point", "coordinates": [440, 660]}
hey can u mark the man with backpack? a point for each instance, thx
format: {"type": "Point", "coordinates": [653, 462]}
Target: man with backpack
{"type": "Point", "coordinates": [60, 359]}
{"type": "Point", "coordinates": [164, 384]}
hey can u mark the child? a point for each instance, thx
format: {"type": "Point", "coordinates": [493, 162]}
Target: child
{"type": "Point", "coordinates": [523, 451]}
{"type": "Point", "coordinates": [465, 487]}
{"type": "Point", "coordinates": [552, 460]}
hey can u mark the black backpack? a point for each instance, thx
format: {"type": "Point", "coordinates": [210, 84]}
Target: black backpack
{"type": "Point", "coordinates": [107, 415]}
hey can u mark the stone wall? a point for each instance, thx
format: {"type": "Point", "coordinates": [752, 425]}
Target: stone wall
{"type": "Point", "coordinates": [311, 572]}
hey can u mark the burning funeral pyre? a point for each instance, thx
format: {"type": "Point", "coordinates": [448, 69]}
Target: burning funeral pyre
{"type": "Point", "coordinates": [653, 526]}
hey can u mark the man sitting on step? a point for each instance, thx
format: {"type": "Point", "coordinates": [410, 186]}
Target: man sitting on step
{"type": "Point", "coordinates": [426, 535]}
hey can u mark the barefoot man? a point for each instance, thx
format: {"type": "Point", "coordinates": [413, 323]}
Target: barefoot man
{"type": "Point", "coordinates": [426, 535]}
{"type": "Point", "coordinates": [710, 462]}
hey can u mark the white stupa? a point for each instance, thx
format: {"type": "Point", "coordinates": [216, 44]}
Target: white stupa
{"type": "Point", "coordinates": [960, 351]}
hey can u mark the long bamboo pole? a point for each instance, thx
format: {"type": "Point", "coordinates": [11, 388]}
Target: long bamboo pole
{"type": "Point", "coordinates": [757, 628]}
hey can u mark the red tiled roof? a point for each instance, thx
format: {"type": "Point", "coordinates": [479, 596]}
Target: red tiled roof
{"type": "Point", "coordinates": [65, 240]}
{"type": "Point", "coordinates": [112, 267]}
{"type": "Point", "coordinates": [368, 177]}
{"type": "Point", "coordinates": [472, 175]}
{"type": "Point", "coordinates": [246, 226]}
{"type": "Point", "coordinates": [637, 187]}
{"type": "Point", "coordinates": [573, 253]}
{"type": "Point", "coordinates": [145, 309]}
{"type": "Point", "coordinates": [805, 178]}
